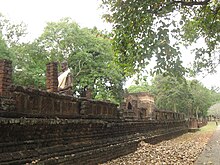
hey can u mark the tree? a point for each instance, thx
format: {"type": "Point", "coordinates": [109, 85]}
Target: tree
{"type": "Point", "coordinates": [11, 36]}
{"type": "Point", "coordinates": [171, 94]}
{"type": "Point", "coordinates": [189, 97]}
{"type": "Point", "coordinates": [11, 33]}
{"type": "Point", "coordinates": [143, 87]}
{"type": "Point", "coordinates": [214, 110]}
{"type": "Point", "coordinates": [87, 51]}
{"type": "Point", "coordinates": [30, 65]}
{"type": "Point", "coordinates": [4, 50]}
{"type": "Point", "coordinates": [201, 98]}
{"type": "Point", "coordinates": [146, 29]}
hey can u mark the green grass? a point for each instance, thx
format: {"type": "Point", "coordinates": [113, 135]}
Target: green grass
{"type": "Point", "coordinates": [211, 126]}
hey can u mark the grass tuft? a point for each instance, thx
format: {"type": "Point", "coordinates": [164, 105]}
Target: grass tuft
{"type": "Point", "coordinates": [211, 126]}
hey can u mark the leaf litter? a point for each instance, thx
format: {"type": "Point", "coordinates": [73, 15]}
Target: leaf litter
{"type": "Point", "coordinates": [183, 150]}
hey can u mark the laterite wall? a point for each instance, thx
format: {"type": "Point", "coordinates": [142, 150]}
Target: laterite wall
{"type": "Point", "coordinates": [76, 141]}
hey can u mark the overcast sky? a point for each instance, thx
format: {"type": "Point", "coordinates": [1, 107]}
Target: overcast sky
{"type": "Point", "coordinates": [35, 13]}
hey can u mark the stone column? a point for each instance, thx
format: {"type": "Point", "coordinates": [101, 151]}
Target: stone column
{"type": "Point", "coordinates": [5, 76]}
{"type": "Point", "coordinates": [52, 77]}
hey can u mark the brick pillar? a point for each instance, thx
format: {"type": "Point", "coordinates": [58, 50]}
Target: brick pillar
{"type": "Point", "coordinates": [89, 94]}
{"type": "Point", "coordinates": [52, 77]}
{"type": "Point", "coordinates": [5, 76]}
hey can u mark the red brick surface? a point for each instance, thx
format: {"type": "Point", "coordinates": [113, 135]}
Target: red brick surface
{"type": "Point", "coordinates": [52, 77]}
{"type": "Point", "coordinates": [5, 76]}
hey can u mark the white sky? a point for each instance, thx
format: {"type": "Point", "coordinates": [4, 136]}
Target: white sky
{"type": "Point", "coordinates": [35, 13]}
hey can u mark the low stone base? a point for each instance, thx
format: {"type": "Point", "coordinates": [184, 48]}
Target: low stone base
{"type": "Point", "coordinates": [76, 141]}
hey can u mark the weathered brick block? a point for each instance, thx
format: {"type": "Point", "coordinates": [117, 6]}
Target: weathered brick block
{"type": "Point", "coordinates": [5, 76]}
{"type": "Point", "coordinates": [19, 99]}
{"type": "Point", "coordinates": [46, 105]}
{"type": "Point", "coordinates": [85, 106]}
{"type": "Point", "coordinates": [52, 77]}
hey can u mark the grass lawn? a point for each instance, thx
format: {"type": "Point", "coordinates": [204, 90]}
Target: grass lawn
{"type": "Point", "coordinates": [210, 127]}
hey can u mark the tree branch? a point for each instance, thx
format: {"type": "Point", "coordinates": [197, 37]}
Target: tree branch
{"type": "Point", "coordinates": [192, 2]}
{"type": "Point", "coordinates": [80, 68]}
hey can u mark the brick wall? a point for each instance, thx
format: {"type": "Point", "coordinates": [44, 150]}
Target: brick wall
{"type": "Point", "coordinates": [52, 77]}
{"type": "Point", "coordinates": [38, 103]}
{"type": "Point", "coordinates": [168, 115]}
{"type": "Point", "coordinates": [193, 123]}
{"type": "Point", "coordinates": [94, 108]}
{"type": "Point", "coordinates": [76, 141]}
{"type": "Point", "coordinates": [5, 76]}
{"type": "Point", "coordinates": [20, 101]}
{"type": "Point", "coordinates": [29, 101]}
{"type": "Point", "coordinates": [48, 128]}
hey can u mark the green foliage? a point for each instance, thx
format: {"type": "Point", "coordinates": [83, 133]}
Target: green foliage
{"type": "Point", "coordinates": [179, 95]}
{"type": "Point", "coordinates": [144, 87]}
{"type": "Point", "coordinates": [4, 51]}
{"type": "Point", "coordinates": [214, 110]}
{"type": "Point", "coordinates": [89, 55]}
{"type": "Point", "coordinates": [171, 94]}
{"type": "Point", "coordinates": [88, 52]}
{"type": "Point", "coordinates": [210, 127]}
{"type": "Point", "coordinates": [144, 30]}
{"type": "Point", "coordinates": [10, 41]}
{"type": "Point", "coordinates": [11, 33]}
{"type": "Point", "coordinates": [30, 65]}
{"type": "Point", "coordinates": [202, 98]}
{"type": "Point", "coordinates": [204, 22]}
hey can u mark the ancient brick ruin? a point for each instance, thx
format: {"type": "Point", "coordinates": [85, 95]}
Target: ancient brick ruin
{"type": "Point", "coordinates": [138, 105]}
{"type": "Point", "coordinates": [45, 127]}
{"type": "Point", "coordinates": [5, 76]}
{"type": "Point", "coordinates": [51, 77]}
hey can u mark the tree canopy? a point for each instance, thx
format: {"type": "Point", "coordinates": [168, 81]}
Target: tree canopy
{"type": "Point", "coordinates": [4, 51]}
{"type": "Point", "coordinates": [88, 52]}
{"type": "Point", "coordinates": [214, 110]}
{"type": "Point", "coordinates": [144, 30]}
{"type": "Point", "coordinates": [142, 87]}
{"type": "Point", "coordinates": [189, 97]}
{"type": "Point", "coordinates": [171, 94]}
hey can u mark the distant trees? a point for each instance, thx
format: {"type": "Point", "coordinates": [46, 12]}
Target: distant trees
{"type": "Point", "coordinates": [202, 98]}
{"type": "Point", "coordinates": [4, 51]}
{"type": "Point", "coordinates": [142, 87]}
{"type": "Point", "coordinates": [171, 94]}
{"type": "Point", "coordinates": [214, 110]}
{"type": "Point", "coordinates": [189, 97]}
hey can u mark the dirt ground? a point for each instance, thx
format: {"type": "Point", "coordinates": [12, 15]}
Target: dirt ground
{"type": "Point", "coordinates": [210, 155]}
{"type": "Point", "coordinates": [183, 150]}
